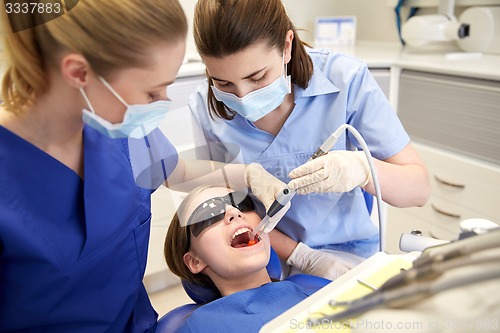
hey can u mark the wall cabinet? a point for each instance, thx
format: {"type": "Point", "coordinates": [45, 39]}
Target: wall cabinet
{"type": "Point", "coordinates": [454, 123]}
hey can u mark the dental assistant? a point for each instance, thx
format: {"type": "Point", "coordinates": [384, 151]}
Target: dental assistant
{"type": "Point", "coordinates": [74, 223]}
{"type": "Point", "coordinates": [279, 100]}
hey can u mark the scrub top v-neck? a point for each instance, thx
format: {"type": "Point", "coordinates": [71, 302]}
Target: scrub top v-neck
{"type": "Point", "coordinates": [73, 251]}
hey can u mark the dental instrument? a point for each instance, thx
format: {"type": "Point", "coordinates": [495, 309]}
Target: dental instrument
{"type": "Point", "coordinates": [428, 276]}
{"type": "Point", "coordinates": [266, 225]}
{"type": "Point", "coordinates": [287, 193]}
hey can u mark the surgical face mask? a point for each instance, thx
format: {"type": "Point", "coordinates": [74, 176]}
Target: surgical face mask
{"type": "Point", "coordinates": [139, 120]}
{"type": "Point", "coordinates": [260, 102]}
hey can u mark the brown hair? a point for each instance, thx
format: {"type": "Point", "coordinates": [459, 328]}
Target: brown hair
{"type": "Point", "coordinates": [177, 243]}
{"type": "Point", "coordinates": [111, 35]}
{"type": "Point", "coordinates": [224, 27]}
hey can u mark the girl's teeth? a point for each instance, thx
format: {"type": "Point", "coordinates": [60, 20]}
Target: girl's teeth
{"type": "Point", "coordinates": [239, 232]}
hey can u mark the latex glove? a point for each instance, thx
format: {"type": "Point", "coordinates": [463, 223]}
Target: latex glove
{"type": "Point", "coordinates": [317, 262]}
{"type": "Point", "coordinates": [337, 171]}
{"type": "Point", "coordinates": [264, 185]}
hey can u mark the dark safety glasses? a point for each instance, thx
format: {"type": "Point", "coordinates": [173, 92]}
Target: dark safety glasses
{"type": "Point", "coordinates": [214, 210]}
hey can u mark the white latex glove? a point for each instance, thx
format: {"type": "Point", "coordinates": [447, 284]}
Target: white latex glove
{"type": "Point", "coordinates": [318, 262]}
{"type": "Point", "coordinates": [337, 171]}
{"type": "Point", "coordinates": [264, 185]}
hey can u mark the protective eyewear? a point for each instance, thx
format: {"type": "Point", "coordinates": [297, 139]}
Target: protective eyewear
{"type": "Point", "coordinates": [214, 210]}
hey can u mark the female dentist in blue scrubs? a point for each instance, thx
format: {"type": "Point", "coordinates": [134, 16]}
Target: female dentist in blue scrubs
{"type": "Point", "coordinates": [279, 101]}
{"type": "Point", "coordinates": [74, 224]}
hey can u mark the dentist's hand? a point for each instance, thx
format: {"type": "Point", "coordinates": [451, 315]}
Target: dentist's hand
{"type": "Point", "coordinates": [337, 171]}
{"type": "Point", "coordinates": [317, 262]}
{"type": "Point", "coordinates": [264, 186]}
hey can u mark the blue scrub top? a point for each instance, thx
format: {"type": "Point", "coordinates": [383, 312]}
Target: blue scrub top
{"type": "Point", "coordinates": [247, 310]}
{"type": "Point", "coordinates": [341, 90]}
{"type": "Point", "coordinates": [73, 252]}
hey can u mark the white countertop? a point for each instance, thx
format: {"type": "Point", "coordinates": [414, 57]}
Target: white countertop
{"type": "Point", "coordinates": [451, 62]}
{"type": "Point", "coordinates": [386, 55]}
{"type": "Point", "coordinates": [481, 66]}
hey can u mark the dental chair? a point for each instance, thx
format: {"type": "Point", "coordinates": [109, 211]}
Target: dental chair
{"type": "Point", "coordinates": [202, 295]}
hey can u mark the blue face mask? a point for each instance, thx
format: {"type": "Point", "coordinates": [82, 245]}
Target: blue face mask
{"type": "Point", "coordinates": [258, 103]}
{"type": "Point", "coordinates": [138, 121]}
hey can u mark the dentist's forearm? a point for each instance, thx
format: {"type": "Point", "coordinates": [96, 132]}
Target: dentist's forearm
{"type": "Point", "coordinates": [190, 174]}
{"type": "Point", "coordinates": [402, 184]}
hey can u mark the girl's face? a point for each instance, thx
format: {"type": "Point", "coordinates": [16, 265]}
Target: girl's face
{"type": "Point", "coordinates": [138, 85]}
{"type": "Point", "coordinates": [221, 249]}
{"type": "Point", "coordinates": [250, 69]}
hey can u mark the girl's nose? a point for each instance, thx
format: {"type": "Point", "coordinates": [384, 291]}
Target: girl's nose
{"type": "Point", "coordinates": [232, 213]}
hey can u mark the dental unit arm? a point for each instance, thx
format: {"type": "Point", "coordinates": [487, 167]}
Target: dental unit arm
{"type": "Point", "coordinates": [267, 224]}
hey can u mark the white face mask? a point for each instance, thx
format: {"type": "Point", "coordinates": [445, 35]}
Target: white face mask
{"type": "Point", "coordinates": [139, 120]}
{"type": "Point", "coordinates": [260, 102]}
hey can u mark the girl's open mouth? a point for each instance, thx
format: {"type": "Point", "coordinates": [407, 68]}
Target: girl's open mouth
{"type": "Point", "coordinates": [241, 238]}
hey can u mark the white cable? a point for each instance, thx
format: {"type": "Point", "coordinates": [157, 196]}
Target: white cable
{"type": "Point", "coordinates": [378, 193]}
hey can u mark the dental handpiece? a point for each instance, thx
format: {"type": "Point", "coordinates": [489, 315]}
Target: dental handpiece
{"type": "Point", "coordinates": [287, 193]}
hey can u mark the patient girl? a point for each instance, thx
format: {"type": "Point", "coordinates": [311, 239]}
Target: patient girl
{"type": "Point", "coordinates": [208, 243]}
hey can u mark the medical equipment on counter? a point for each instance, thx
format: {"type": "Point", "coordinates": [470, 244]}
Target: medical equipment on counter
{"type": "Point", "coordinates": [477, 225]}
{"type": "Point", "coordinates": [484, 30]}
{"type": "Point", "coordinates": [287, 193]}
{"type": "Point", "coordinates": [414, 241]}
{"type": "Point", "coordinates": [423, 30]}
{"type": "Point", "coordinates": [476, 30]}
{"type": "Point", "coordinates": [425, 277]}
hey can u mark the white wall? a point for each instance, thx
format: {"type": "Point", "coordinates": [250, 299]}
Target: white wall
{"type": "Point", "coordinates": [375, 19]}
{"type": "Point", "coordinates": [188, 6]}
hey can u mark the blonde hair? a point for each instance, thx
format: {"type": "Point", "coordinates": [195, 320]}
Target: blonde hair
{"type": "Point", "coordinates": [111, 35]}
{"type": "Point", "coordinates": [224, 27]}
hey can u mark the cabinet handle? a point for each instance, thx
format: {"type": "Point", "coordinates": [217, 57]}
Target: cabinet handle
{"type": "Point", "coordinates": [444, 182]}
{"type": "Point", "coordinates": [440, 211]}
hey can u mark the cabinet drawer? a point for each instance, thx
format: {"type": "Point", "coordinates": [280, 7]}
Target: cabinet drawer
{"type": "Point", "coordinates": [454, 113]}
{"type": "Point", "coordinates": [444, 217]}
{"type": "Point", "coordinates": [464, 182]}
